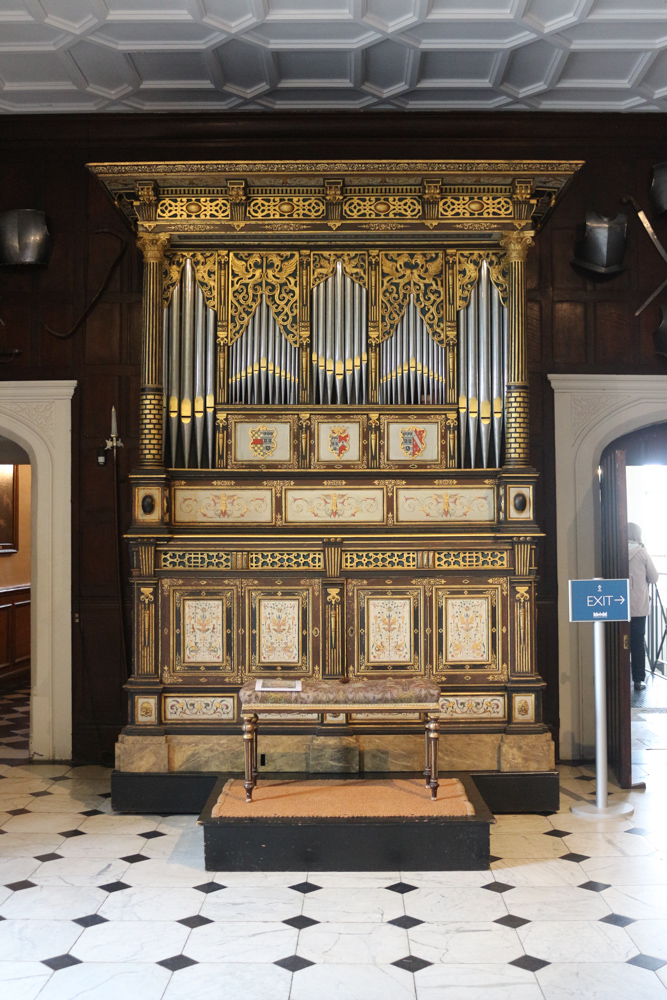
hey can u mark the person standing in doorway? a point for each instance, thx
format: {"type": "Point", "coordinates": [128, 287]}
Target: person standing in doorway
{"type": "Point", "coordinates": [642, 572]}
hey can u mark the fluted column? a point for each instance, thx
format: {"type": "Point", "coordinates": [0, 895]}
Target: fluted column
{"type": "Point", "coordinates": [517, 432]}
{"type": "Point", "coordinates": [152, 401]}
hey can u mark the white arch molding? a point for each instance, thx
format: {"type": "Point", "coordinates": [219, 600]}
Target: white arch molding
{"type": "Point", "coordinates": [591, 411]}
{"type": "Point", "coordinates": [37, 415]}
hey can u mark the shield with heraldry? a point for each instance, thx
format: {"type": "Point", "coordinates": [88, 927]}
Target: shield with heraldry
{"type": "Point", "coordinates": [413, 441]}
{"type": "Point", "coordinates": [339, 441]}
{"type": "Point", "coordinates": [263, 441]}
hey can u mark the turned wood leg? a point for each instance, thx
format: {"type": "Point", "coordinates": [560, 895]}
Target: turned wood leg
{"type": "Point", "coordinates": [433, 728]}
{"type": "Point", "coordinates": [427, 754]}
{"type": "Point", "coordinates": [250, 754]}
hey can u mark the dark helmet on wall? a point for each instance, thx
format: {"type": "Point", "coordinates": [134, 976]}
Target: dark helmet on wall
{"type": "Point", "coordinates": [24, 238]}
{"type": "Point", "coordinates": [600, 245]}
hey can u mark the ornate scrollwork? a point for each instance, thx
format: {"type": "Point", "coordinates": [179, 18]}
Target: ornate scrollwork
{"type": "Point", "coordinates": [420, 274]}
{"type": "Point", "coordinates": [323, 264]}
{"type": "Point", "coordinates": [274, 274]}
{"type": "Point", "coordinates": [468, 265]}
{"type": "Point", "coordinates": [206, 275]}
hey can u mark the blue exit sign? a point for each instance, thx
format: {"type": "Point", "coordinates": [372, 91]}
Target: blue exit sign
{"type": "Point", "coordinates": [599, 600]}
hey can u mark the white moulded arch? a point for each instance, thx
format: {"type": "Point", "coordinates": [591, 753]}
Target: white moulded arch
{"type": "Point", "coordinates": [590, 412]}
{"type": "Point", "coordinates": [37, 415]}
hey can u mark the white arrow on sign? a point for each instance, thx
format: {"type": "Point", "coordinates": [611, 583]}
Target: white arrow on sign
{"type": "Point", "coordinates": [620, 600]}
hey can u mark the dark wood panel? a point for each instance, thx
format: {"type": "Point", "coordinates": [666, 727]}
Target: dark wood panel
{"type": "Point", "coordinates": [611, 332]}
{"type": "Point", "coordinates": [569, 332]}
{"type": "Point", "coordinates": [14, 634]}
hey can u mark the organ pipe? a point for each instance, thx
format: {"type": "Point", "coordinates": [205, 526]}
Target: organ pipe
{"type": "Point", "coordinates": [412, 365]}
{"type": "Point", "coordinates": [339, 356]}
{"type": "Point", "coordinates": [263, 365]}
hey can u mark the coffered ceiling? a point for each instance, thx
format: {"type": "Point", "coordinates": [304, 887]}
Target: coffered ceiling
{"type": "Point", "coordinates": [226, 55]}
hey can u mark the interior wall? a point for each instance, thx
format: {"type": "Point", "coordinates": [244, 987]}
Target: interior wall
{"type": "Point", "coordinates": [15, 569]}
{"type": "Point", "coordinates": [574, 324]}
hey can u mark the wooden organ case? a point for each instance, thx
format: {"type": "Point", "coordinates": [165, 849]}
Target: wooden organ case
{"type": "Point", "coordinates": [335, 476]}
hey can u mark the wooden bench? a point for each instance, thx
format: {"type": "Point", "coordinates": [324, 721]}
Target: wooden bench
{"type": "Point", "coordinates": [381, 696]}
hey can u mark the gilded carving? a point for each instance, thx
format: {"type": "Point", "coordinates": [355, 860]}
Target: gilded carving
{"type": "Point", "coordinates": [323, 264]}
{"type": "Point", "coordinates": [418, 274]}
{"type": "Point", "coordinates": [274, 274]}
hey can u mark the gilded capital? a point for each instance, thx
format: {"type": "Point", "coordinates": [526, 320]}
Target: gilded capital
{"type": "Point", "coordinates": [153, 246]}
{"type": "Point", "coordinates": [516, 246]}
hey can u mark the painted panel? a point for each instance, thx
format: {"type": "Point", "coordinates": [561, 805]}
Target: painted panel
{"type": "Point", "coordinates": [145, 710]}
{"type": "Point", "coordinates": [473, 706]}
{"type": "Point", "coordinates": [437, 504]}
{"type": "Point", "coordinates": [263, 441]}
{"type": "Point", "coordinates": [413, 442]}
{"type": "Point", "coordinates": [520, 503]}
{"type": "Point", "coordinates": [389, 625]}
{"type": "Point", "coordinates": [338, 441]}
{"type": "Point", "coordinates": [222, 506]}
{"type": "Point", "coordinates": [467, 623]}
{"type": "Point", "coordinates": [203, 625]}
{"type": "Point", "coordinates": [523, 707]}
{"type": "Point", "coordinates": [189, 708]}
{"type": "Point", "coordinates": [279, 626]}
{"type": "Point", "coordinates": [334, 506]}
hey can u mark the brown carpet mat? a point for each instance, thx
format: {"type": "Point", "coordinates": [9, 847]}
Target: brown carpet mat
{"type": "Point", "coordinates": [334, 798]}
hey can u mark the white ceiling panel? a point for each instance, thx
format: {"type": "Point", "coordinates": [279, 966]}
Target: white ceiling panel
{"type": "Point", "coordinates": [128, 55]}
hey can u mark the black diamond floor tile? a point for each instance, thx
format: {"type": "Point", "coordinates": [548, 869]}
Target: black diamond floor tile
{"type": "Point", "coordinates": [61, 962]}
{"type": "Point", "coordinates": [557, 833]}
{"type": "Point", "coordinates": [574, 857]}
{"type": "Point", "coordinates": [305, 887]}
{"type": "Point", "coordinates": [405, 922]}
{"type": "Point", "coordinates": [23, 884]}
{"type": "Point", "coordinates": [105, 795]}
{"type": "Point", "coordinates": [91, 812]}
{"type": "Point", "coordinates": [498, 887]}
{"type": "Point", "coordinates": [132, 859]}
{"type": "Point", "coordinates": [511, 921]}
{"type": "Point", "coordinates": [401, 887]}
{"type": "Point", "coordinates": [411, 963]}
{"type": "Point", "coordinates": [529, 963]}
{"type": "Point", "coordinates": [209, 887]}
{"type": "Point", "coordinates": [293, 963]}
{"type": "Point", "coordinates": [300, 922]}
{"type": "Point", "coordinates": [114, 886]}
{"type": "Point", "coordinates": [492, 858]}
{"type": "Point", "coordinates": [91, 920]}
{"type": "Point", "coordinates": [48, 857]}
{"type": "Point", "coordinates": [17, 812]}
{"type": "Point", "coordinates": [647, 962]}
{"type": "Point", "coordinates": [72, 833]}
{"type": "Point", "coordinates": [639, 831]}
{"type": "Point", "coordinates": [39, 795]}
{"type": "Point", "coordinates": [151, 834]}
{"type": "Point", "coordinates": [594, 886]}
{"type": "Point", "coordinates": [196, 921]}
{"type": "Point", "coordinates": [585, 777]}
{"type": "Point", "coordinates": [617, 920]}
{"type": "Point", "coordinates": [177, 962]}
{"type": "Point", "coordinates": [62, 777]}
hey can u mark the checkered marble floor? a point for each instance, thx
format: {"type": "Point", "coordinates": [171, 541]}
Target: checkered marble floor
{"type": "Point", "coordinates": [14, 726]}
{"type": "Point", "coordinates": [113, 907]}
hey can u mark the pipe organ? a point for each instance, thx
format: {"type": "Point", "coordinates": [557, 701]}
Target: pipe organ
{"type": "Point", "coordinates": [335, 477]}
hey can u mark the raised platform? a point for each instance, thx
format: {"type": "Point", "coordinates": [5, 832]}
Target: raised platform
{"type": "Point", "coordinates": [416, 837]}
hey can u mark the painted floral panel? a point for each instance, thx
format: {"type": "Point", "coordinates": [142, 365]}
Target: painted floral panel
{"type": "Point", "coordinates": [279, 625]}
{"type": "Point", "coordinates": [389, 630]}
{"type": "Point", "coordinates": [203, 624]}
{"type": "Point", "coordinates": [467, 629]}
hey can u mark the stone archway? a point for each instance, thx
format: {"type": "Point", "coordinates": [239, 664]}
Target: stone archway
{"type": "Point", "coordinates": [37, 415]}
{"type": "Point", "coordinates": [591, 411]}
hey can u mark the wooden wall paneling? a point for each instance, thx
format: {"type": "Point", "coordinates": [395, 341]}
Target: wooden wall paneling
{"type": "Point", "coordinates": [14, 635]}
{"type": "Point", "coordinates": [569, 332]}
{"type": "Point", "coordinates": [612, 324]}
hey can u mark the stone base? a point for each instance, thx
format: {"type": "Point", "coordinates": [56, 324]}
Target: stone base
{"type": "Point", "coordinates": [505, 752]}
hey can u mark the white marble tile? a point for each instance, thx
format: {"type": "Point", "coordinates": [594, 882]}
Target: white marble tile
{"type": "Point", "coordinates": [65, 804]}
{"type": "Point", "coordinates": [607, 845]}
{"type": "Point", "coordinates": [428, 880]}
{"type": "Point", "coordinates": [576, 941]}
{"type": "Point", "coordinates": [131, 941]}
{"type": "Point", "coordinates": [532, 872]}
{"type": "Point", "coordinates": [22, 980]}
{"type": "Point", "coordinates": [627, 871]}
{"type": "Point", "coordinates": [79, 871]}
{"type": "Point", "coordinates": [44, 822]}
{"type": "Point", "coordinates": [268, 879]}
{"type": "Point", "coordinates": [34, 940]}
{"type": "Point", "coordinates": [453, 903]}
{"type": "Point", "coordinates": [466, 942]}
{"type": "Point", "coordinates": [118, 824]}
{"type": "Point", "coordinates": [556, 903]}
{"type": "Point", "coordinates": [160, 873]}
{"type": "Point", "coordinates": [352, 905]}
{"type": "Point", "coordinates": [521, 823]}
{"type": "Point", "coordinates": [263, 903]}
{"type": "Point", "coordinates": [253, 942]}
{"type": "Point", "coordinates": [516, 845]}
{"type": "Point", "coordinates": [49, 902]}
{"type": "Point", "coordinates": [353, 943]}
{"type": "Point", "coordinates": [101, 845]}
{"type": "Point", "coordinates": [79, 789]}
{"type": "Point", "coordinates": [369, 880]}
{"type": "Point", "coordinates": [41, 771]}
{"type": "Point", "coordinates": [15, 801]}
{"type": "Point", "coordinates": [107, 981]}
{"type": "Point", "coordinates": [641, 902]}
{"type": "Point", "coordinates": [145, 903]}
{"type": "Point", "coordinates": [92, 771]}
{"type": "Point", "coordinates": [476, 982]}
{"type": "Point", "coordinates": [24, 845]}
{"type": "Point", "coordinates": [578, 824]}
{"type": "Point", "coordinates": [164, 848]}
{"type": "Point", "coordinates": [23, 785]}
{"type": "Point", "coordinates": [595, 981]}
{"type": "Point", "coordinates": [650, 937]}
{"type": "Point", "coordinates": [16, 869]}
{"type": "Point", "coordinates": [230, 980]}
{"type": "Point", "coordinates": [349, 982]}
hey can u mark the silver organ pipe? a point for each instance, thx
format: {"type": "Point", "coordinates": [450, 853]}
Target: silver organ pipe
{"type": "Point", "coordinates": [174, 310]}
{"type": "Point", "coordinates": [412, 365]}
{"type": "Point", "coordinates": [187, 356]}
{"type": "Point", "coordinates": [263, 365]}
{"type": "Point", "coordinates": [339, 340]}
{"type": "Point", "coordinates": [199, 372]}
{"type": "Point", "coordinates": [165, 374]}
{"type": "Point", "coordinates": [210, 381]}
{"type": "Point", "coordinates": [482, 374]}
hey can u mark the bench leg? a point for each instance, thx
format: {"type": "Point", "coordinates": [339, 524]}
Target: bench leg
{"type": "Point", "coordinates": [427, 755]}
{"type": "Point", "coordinates": [432, 736]}
{"type": "Point", "coordinates": [250, 754]}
